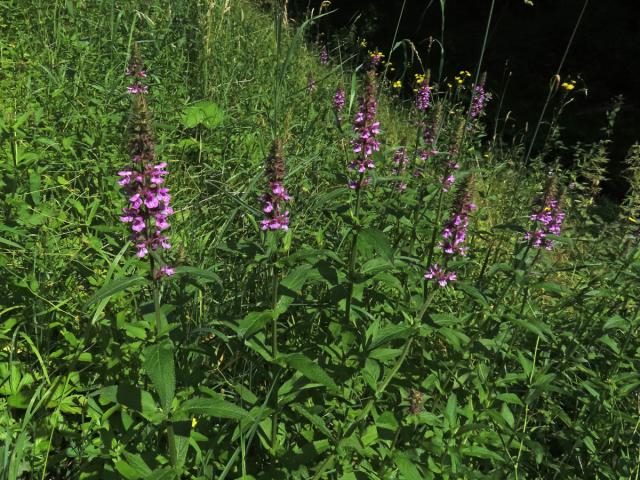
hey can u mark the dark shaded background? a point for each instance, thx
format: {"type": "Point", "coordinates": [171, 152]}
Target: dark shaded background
{"type": "Point", "coordinates": [529, 41]}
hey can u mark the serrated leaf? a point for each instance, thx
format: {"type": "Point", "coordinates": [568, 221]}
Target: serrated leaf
{"type": "Point", "coordinates": [159, 365]}
{"type": "Point", "coordinates": [309, 369]}
{"type": "Point", "coordinates": [406, 467]}
{"type": "Point", "coordinates": [117, 285]}
{"type": "Point", "coordinates": [216, 407]}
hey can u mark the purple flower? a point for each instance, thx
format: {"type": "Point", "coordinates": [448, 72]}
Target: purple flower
{"type": "Point", "coordinates": [274, 200]}
{"type": "Point", "coordinates": [423, 97]}
{"type": "Point", "coordinates": [137, 89]}
{"type": "Point", "coordinates": [438, 275]}
{"type": "Point", "coordinates": [479, 101]}
{"type": "Point", "coordinates": [324, 56]}
{"type": "Point", "coordinates": [148, 209]}
{"type": "Point", "coordinates": [366, 129]}
{"type": "Point", "coordinates": [547, 221]}
{"type": "Point", "coordinates": [339, 99]}
{"type": "Point", "coordinates": [454, 233]}
{"type": "Point", "coordinates": [400, 162]}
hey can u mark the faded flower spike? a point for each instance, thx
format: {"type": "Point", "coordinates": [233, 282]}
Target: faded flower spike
{"type": "Point", "coordinates": [274, 200]}
{"type": "Point", "coordinates": [149, 209]}
{"type": "Point", "coordinates": [324, 55]}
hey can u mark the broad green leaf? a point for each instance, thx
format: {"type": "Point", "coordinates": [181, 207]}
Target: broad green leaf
{"type": "Point", "coordinates": [205, 113]}
{"type": "Point", "coordinates": [159, 365]}
{"type": "Point", "coordinates": [133, 467]}
{"type": "Point", "coordinates": [451, 411]}
{"type": "Point", "coordinates": [253, 322]}
{"type": "Point", "coordinates": [309, 369]}
{"type": "Point", "coordinates": [165, 473]}
{"type": "Point", "coordinates": [372, 239]}
{"type": "Point", "coordinates": [216, 407]}
{"type": "Point", "coordinates": [407, 468]}
{"type": "Point", "coordinates": [134, 398]}
{"type": "Point", "coordinates": [480, 452]}
{"type": "Point", "coordinates": [389, 333]}
{"type": "Point", "coordinates": [117, 285]}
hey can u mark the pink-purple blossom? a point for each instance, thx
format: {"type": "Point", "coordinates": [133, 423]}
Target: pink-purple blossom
{"type": "Point", "coordinates": [366, 129]}
{"type": "Point", "coordinates": [400, 163]}
{"type": "Point", "coordinates": [547, 221]}
{"type": "Point", "coordinates": [479, 101]}
{"type": "Point", "coordinates": [423, 97]}
{"type": "Point", "coordinates": [274, 200]}
{"type": "Point", "coordinates": [439, 275]}
{"type": "Point", "coordinates": [324, 55]}
{"type": "Point", "coordinates": [148, 207]}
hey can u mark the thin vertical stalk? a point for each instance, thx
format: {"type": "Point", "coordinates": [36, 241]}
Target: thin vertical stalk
{"type": "Point", "coordinates": [274, 348]}
{"type": "Point", "coordinates": [353, 253]}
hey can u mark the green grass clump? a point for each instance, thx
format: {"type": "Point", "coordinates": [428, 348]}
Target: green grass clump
{"type": "Point", "coordinates": [320, 352]}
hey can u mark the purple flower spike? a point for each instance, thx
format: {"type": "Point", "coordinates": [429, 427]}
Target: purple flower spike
{"type": "Point", "coordinates": [423, 97]}
{"type": "Point", "coordinates": [324, 56]}
{"type": "Point", "coordinates": [148, 209]}
{"type": "Point", "coordinates": [366, 129]}
{"type": "Point", "coordinates": [479, 101]}
{"type": "Point", "coordinates": [276, 197]}
{"type": "Point", "coordinates": [547, 220]}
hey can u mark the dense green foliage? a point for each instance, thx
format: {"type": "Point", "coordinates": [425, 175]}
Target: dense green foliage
{"type": "Point", "coordinates": [525, 367]}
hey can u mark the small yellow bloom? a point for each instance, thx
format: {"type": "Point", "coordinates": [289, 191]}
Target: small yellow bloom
{"type": "Point", "coordinates": [568, 86]}
{"type": "Point", "coordinates": [363, 43]}
{"type": "Point", "coordinates": [449, 85]}
{"type": "Point", "coordinates": [376, 53]}
{"type": "Point", "coordinates": [420, 78]}
{"type": "Point", "coordinates": [397, 84]}
{"type": "Point", "coordinates": [194, 422]}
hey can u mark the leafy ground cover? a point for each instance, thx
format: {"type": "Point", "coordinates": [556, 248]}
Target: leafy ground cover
{"type": "Point", "coordinates": [358, 286]}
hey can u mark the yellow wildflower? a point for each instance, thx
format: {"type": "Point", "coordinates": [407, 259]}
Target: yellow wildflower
{"type": "Point", "coordinates": [363, 43]}
{"type": "Point", "coordinates": [397, 84]}
{"type": "Point", "coordinates": [194, 422]}
{"type": "Point", "coordinates": [420, 78]}
{"type": "Point", "coordinates": [568, 86]}
{"type": "Point", "coordinates": [376, 54]}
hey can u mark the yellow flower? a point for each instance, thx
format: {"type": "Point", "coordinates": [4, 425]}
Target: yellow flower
{"type": "Point", "coordinates": [633, 220]}
{"type": "Point", "coordinates": [376, 53]}
{"type": "Point", "coordinates": [397, 84]}
{"type": "Point", "coordinates": [420, 78]}
{"type": "Point", "coordinates": [194, 422]}
{"type": "Point", "coordinates": [363, 43]}
{"type": "Point", "coordinates": [449, 85]}
{"type": "Point", "coordinates": [568, 86]}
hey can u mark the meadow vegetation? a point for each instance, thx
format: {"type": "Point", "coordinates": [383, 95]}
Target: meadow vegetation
{"type": "Point", "coordinates": [326, 268]}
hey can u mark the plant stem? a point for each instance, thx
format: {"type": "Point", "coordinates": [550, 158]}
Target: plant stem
{"type": "Point", "coordinates": [274, 348]}
{"type": "Point", "coordinates": [353, 254]}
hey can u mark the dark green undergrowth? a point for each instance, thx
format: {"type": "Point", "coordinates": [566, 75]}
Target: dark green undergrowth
{"type": "Point", "coordinates": [320, 352]}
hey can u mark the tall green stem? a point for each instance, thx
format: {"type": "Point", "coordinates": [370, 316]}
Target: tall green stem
{"type": "Point", "coordinates": [274, 347]}
{"type": "Point", "coordinates": [353, 254]}
{"type": "Point", "coordinates": [155, 286]}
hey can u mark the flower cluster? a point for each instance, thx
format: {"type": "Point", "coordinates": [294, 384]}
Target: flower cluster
{"type": "Point", "coordinates": [273, 201]}
{"type": "Point", "coordinates": [376, 58]}
{"type": "Point", "coordinates": [423, 97]}
{"type": "Point", "coordinates": [324, 55]}
{"type": "Point", "coordinates": [437, 274]}
{"type": "Point", "coordinates": [366, 129]}
{"type": "Point", "coordinates": [143, 181]}
{"type": "Point", "coordinates": [339, 100]}
{"type": "Point", "coordinates": [479, 101]}
{"type": "Point", "coordinates": [547, 221]}
{"type": "Point", "coordinates": [455, 229]}
{"type": "Point", "coordinates": [568, 86]}
{"type": "Point", "coordinates": [400, 162]}
{"type": "Point", "coordinates": [462, 76]}
{"type": "Point", "coordinates": [454, 234]}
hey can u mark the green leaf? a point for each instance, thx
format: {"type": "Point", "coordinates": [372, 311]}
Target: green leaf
{"type": "Point", "coordinates": [133, 467]}
{"type": "Point", "coordinates": [134, 398]}
{"type": "Point", "coordinates": [451, 411]}
{"type": "Point", "coordinates": [370, 238]}
{"type": "Point", "coordinates": [216, 407]}
{"type": "Point", "coordinates": [204, 113]}
{"type": "Point", "coordinates": [507, 415]}
{"type": "Point", "coordinates": [207, 275]}
{"type": "Point", "coordinates": [159, 365]}
{"type": "Point", "coordinates": [389, 333]}
{"type": "Point", "coordinates": [309, 369]}
{"type": "Point", "coordinates": [166, 473]}
{"type": "Point", "coordinates": [480, 452]}
{"type": "Point", "coordinates": [253, 322]}
{"type": "Point", "coordinates": [117, 285]}
{"type": "Point", "coordinates": [406, 467]}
